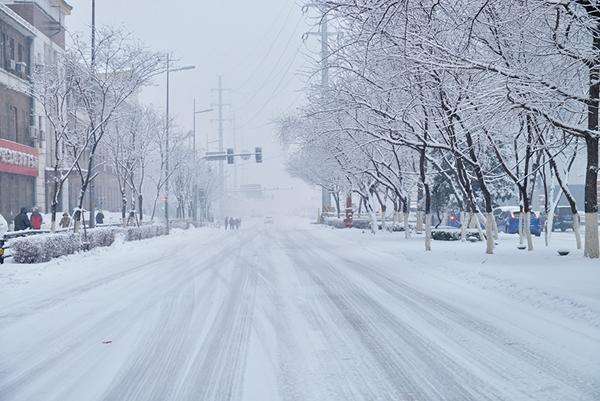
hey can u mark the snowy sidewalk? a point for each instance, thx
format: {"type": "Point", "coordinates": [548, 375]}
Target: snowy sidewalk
{"type": "Point", "coordinates": [301, 313]}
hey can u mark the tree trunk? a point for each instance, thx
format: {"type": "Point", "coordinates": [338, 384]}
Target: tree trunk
{"type": "Point", "coordinates": [140, 206]}
{"type": "Point", "coordinates": [419, 226]}
{"type": "Point", "coordinates": [496, 234]}
{"type": "Point", "coordinates": [527, 230]}
{"type": "Point", "coordinates": [521, 228]}
{"type": "Point", "coordinates": [372, 214]}
{"type": "Point", "coordinates": [591, 249]}
{"type": "Point", "coordinates": [489, 233]}
{"type": "Point", "coordinates": [123, 208]}
{"type": "Point", "coordinates": [464, 222]}
{"type": "Point", "coordinates": [53, 208]}
{"type": "Point", "coordinates": [428, 231]}
{"type": "Point", "coordinates": [336, 197]}
{"type": "Point", "coordinates": [406, 216]}
{"type": "Point", "coordinates": [360, 204]}
{"type": "Point", "coordinates": [576, 229]}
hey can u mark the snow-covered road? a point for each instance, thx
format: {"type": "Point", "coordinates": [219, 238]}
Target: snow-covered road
{"type": "Point", "coordinates": [300, 312]}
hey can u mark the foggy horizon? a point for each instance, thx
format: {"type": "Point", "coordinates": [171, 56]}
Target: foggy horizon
{"type": "Point", "coordinates": [257, 48]}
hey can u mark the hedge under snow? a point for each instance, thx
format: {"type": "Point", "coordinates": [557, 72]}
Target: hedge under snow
{"type": "Point", "coordinates": [44, 247]}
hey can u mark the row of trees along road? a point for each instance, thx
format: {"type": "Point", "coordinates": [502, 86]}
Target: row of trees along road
{"type": "Point", "coordinates": [95, 120]}
{"type": "Point", "coordinates": [491, 97]}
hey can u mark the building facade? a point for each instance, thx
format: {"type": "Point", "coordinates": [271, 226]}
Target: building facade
{"type": "Point", "coordinates": [31, 33]}
{"type": "Point", "coordinates": [19, 153]}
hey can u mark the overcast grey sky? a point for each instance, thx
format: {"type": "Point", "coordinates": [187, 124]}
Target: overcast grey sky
{"type": "Point", "coordinates": [256, 46]}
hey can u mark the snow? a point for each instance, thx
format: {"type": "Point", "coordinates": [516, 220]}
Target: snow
{"type": "Point", "coordinates": [296, 311]}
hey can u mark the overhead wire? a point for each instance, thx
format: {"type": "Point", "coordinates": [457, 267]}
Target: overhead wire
{"type": "Point", "coordinates": [274, 40]}
{"type": "Point", "coordinates": [247, 101]}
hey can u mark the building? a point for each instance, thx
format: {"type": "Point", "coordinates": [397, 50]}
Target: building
{"type": "Point", "coordinates": [31, 33]}
{"type": "Point", "coordinates": [19, 152]}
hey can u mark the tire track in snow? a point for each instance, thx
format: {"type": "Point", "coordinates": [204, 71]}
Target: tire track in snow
{"type": "Point", "coordinates": [417, 368]}
{"type": "Point", "coordinates": [8, 313]}
{"type": "Point", "coordinates": [73, 340]}
{"type": "Point", "coordinates": [457, 324]}
{"type": "Point", "coordinates": [217, 370]}
{"type": "Point", "coordinates": [296, 370]}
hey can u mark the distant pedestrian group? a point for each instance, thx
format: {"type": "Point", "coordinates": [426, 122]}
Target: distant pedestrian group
{"type": "Point", "coordinates": [233, 223]}
{"type": "Point", "coordinates": [26, 221]}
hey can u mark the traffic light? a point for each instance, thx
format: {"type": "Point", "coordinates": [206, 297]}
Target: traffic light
{"type": "Point", "coordinates": [230, 157]}
{"type": "Point", "coordinates": [258, 155]}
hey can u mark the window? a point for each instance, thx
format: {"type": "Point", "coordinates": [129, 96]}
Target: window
{"type": "Point", "coordinates": [3, 50]}
{"type": "Point", "coordinates": [11, 49]}
{"type": "Point", "coordinates": [20, 53]}
{"type": "Point", "coordinates": [14, 123]}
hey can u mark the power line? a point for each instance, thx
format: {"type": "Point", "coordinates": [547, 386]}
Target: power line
{"type": "Point", "coordinates": [274, 92]}
{"type": "Point", "coordinates": [247, 101]}
{"type": "Point", "coordinates": [264, 37]}
{"type": "Point", "coordinates": [270, 49]}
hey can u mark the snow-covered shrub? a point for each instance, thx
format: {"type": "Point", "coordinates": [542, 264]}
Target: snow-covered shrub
{"type": "Point", "coordinates": [102, 236]}
{"type": "Point", "coordinates": [395, 227]}
{"type": "Point", "coordinates": [453, 234]}
{"type": "Point", "coordinates": [181, 224]}
{"type": "Point", "coordinates": [361, 224]}
{"type": "Point", "coordinates": [334, 222]}
{"type": "Point", "coordinates": [42, 248]}
{"type": "Point", "coordinates": [144, 232]}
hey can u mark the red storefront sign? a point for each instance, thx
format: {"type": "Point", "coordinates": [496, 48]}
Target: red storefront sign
{"type": "Point", "coordinates": [16, 158]}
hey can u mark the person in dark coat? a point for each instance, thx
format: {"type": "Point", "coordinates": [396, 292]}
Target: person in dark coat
{"type": "Point", "coordinates": [65, 222]}
{"type": "Point", "coordinates": [36, 219]}
{"type": "Point", "coordinates": [22, 221]}
{"type": "Point", "coordinates": [99, 217]}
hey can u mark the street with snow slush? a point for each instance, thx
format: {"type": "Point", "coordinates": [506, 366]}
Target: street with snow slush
{"type": "Point", "coordinates": [300, 312]}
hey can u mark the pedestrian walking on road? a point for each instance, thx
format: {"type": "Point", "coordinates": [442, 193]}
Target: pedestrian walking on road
{"type": "Point", "coordinates": [65, 222]}
{"type": "Point", "coordinates": [22, 221]}
{"type": "Point", "coordinates": [36, 219]}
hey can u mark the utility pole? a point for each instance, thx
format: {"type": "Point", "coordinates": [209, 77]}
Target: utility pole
{"type": "Point", "coordinates": [221, 132]}
{"type": "Point", "coordinates": [221, 148]}
{"type": "Point", "coordinates": [167, 151]}
{"type": "Point", "coordinates": [168, 138]}
{"type": "Point", "coordinates": [92, 194]}
{"type": "Point", "coordinates": [324, 37]}
{"type": "Point", "coordinates": [235, 166]}
{"type": "Point", "coordinates": [195, 186]}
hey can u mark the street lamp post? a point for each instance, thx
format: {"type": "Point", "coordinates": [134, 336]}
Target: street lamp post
{"type": "Point", "coordinates": [195, 187]}
{"type": "Point", "coordinates": [167, 137]}
{"type": "Point", "coordinates": [92, 189]}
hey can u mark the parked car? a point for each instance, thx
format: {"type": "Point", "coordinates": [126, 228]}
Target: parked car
{"type": "Point", "coordinates": [503, 213]}
{"type": "Point", "coordinates": [563, 219]}
{"type": "Point", "coordinates": [454, 219]}
{"type": "Point", "coordinates": [511, 224]}
{"type": "Point", "coordinates": [269, 220]}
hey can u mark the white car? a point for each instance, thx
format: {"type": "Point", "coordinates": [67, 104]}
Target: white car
{"type": "Point", "coordinates": [269, 220]}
